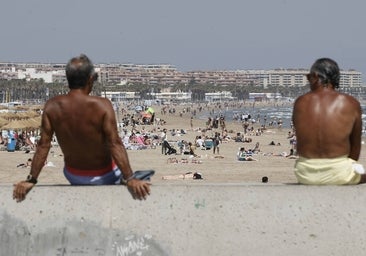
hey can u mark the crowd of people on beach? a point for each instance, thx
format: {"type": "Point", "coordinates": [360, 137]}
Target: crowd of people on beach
{"type": "Point", "coordinates": [23, 140]}
{"type": "Point", "coordinates": [138, 133]}
{"type": "Point", "coordinates": [210, 137]}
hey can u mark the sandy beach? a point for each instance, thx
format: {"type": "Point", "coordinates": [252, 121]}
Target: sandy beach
{"type": "Point", "coordinates": [223, 167]}
{"type": "Point", "coordinates": [228, 212]}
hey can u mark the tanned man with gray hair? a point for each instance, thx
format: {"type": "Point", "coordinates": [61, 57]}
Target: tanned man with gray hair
{"type": "Point", "coordinates": [328, 128]}
{"type": "Point", "coordinates": [86, 130]}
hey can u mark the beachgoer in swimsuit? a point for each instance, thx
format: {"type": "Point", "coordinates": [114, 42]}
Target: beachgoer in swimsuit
{"type": "Point", "coordinates": [244, 155]}
{"type": "Point", "coordinates": [86, 130]}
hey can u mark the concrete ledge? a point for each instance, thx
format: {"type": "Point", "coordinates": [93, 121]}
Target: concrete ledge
{"type": "Point", "coordinates": [185, 219]}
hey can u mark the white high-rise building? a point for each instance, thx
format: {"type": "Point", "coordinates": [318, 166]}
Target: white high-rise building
{"type": "Point", "coordinates": [297, 78]}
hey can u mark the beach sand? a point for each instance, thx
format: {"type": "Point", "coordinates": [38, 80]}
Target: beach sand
{"type": "Point", "coordinates": [222, 168]}
{"type": "Point", "coordinates": [228, 212]}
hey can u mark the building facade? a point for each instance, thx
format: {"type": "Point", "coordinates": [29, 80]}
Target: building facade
{"type": "Point", "coordinates": [168, 75]}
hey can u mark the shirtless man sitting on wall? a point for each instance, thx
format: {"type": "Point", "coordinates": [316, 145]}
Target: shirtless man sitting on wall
{"type": "Point", "coordinates": [86, 129]}
{"type": "Point", "coordinates": [328, 129]}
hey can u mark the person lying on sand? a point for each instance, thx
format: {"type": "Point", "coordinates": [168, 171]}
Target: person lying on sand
{"type": "Point", "coordinates": [186, 176]}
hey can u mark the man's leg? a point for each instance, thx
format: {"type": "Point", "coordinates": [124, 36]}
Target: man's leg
{"type": "Point", "coordinates": [163, 149]}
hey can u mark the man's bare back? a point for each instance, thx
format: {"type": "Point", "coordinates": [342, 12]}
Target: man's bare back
{"type": "Point", "coordinates": [328, 124]}
{"type": "Point", "coordinates": [77, 121]}
{"type": "Point", "coordinates": [328, 129]}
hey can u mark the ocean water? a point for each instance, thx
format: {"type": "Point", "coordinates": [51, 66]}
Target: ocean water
{"type": "Point", "coordinates": [272, 114]}
{"type": "Point", "coordinates": [263, 115]}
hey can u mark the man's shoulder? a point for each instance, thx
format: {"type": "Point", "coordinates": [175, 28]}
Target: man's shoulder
{"type": "Point", "coordinates": [54, 100]}
{"type": "Point", "coordinates": [304, 96]}
{"type": "Point", "coordinates": [99, 99]}
{"type": "Point", "coordinates": [350, 98]}
{"type": "Point", "coordinates": [57, 98]}
{"type": "Point", "coordinates": [65, 100]}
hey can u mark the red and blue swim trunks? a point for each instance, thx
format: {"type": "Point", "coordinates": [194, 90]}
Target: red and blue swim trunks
{"type": "Point", "coordinates": [108, 175]}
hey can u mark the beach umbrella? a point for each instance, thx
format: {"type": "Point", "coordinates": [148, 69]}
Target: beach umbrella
{"type": "Point", "coordinates": [8, 115]}
{"type": "Point", "coordinates": [27, 114]}
{"type": "Point", "coordinates": [24, 112]}
{"type": "Point", "coordinates": [16, 124]}
{"type": "Point", "coordinates": [34, 122]}
{"type": "Point", "coordinates": [3, 121]}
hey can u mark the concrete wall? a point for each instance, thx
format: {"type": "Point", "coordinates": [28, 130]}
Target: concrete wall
{"type": "Point", "coordinates": [185, 219]}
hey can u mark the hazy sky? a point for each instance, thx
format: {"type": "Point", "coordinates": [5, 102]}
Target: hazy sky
{"type": "Point", "coordinates": [190, 34]}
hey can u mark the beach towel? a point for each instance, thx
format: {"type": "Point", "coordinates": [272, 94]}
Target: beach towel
{"type": "Point", "coordinates": [143, 174]}
{"type": "Point", "coordinates": [326, 171]}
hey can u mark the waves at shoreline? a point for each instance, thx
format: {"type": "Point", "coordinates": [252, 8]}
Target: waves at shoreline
{"type": "Point", "coordinates": [257, 114]}
{"type": "Point", "coordinates": [271, 113]}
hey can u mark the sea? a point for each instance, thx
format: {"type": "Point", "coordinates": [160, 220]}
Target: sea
{"type": "Point", "coordinates": [255, 114]}
{"type": "Point", "coordinates": [267, 115]}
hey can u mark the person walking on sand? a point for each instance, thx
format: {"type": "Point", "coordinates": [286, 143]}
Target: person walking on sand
{"type": "Point", "coordinates": [86, 129]}
{"type": "Point", "coordinates": [328, 130]}
{"type": "Point", "coordinates": [216, 143]}
{"type": "Point", "coordinates": [164, 141]}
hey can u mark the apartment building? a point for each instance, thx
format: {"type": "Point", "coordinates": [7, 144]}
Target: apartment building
{"type": "Point", "coordinates": [132, 73]}
{"type": "Point", "coordinates": [165, 74]}
{"type": "Point", "coordinates": [226, 78]}
{"type": "Point", "coordinates": [297, 78]}
{"type": "Point", "coordinates": [50, 73]}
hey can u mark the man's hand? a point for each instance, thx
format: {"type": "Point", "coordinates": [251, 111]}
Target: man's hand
{"type": "Point", "coordinates": [21, 189]}
{"type": "Point", "coordinates": [139, 189]}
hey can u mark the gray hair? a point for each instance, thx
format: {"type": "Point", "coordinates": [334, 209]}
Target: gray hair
{"type": "Point", "coordinates": [327, 70]}
{"type": "Point", "coordinates": [78, 71]}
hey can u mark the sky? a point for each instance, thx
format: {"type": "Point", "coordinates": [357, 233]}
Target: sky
{"type": "Point", "coordinates": [189, 34]}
